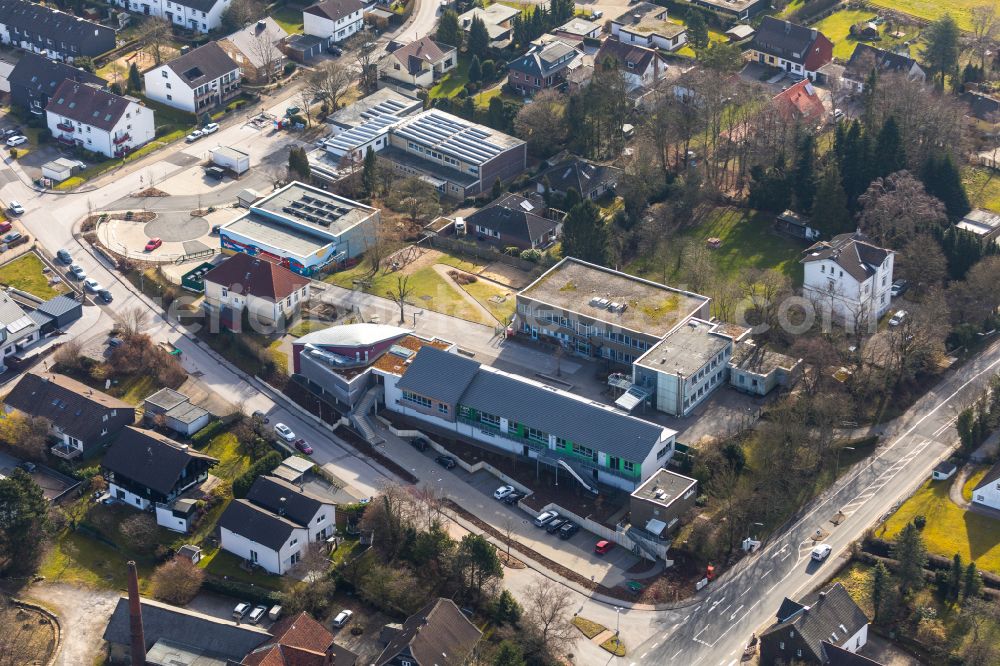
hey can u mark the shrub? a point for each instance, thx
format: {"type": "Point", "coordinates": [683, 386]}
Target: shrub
{"type": "Point", "coordinates": [177, 581]}
{"type": "Point", "coordinates": [252, 593]}
{"type": "Point", "coordinates": [289, 68]}
{"type": "Point", "coordinates": [532, 255]}
{"type": "Point", "coordinates": [920, 522]}
{"type": "Point", "coordinates": [242, 483]}
{"type": "Point", "coordinates": [208, 433]}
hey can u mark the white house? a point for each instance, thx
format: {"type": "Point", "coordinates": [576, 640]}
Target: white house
{"type": "Point", "coordinates": [646, 24]}
{"type": "Point", "coordinates": [333, 20]}
{"type": "Point", "coordinates": [987, 492]}
{"type": "Point", "coordinates": [419, 63]}
{"type": "Point", "coordinates": [275, 523]}
{"type": "Point", "coordinates": [848, 279]}
{"type": "Point", "coordinates": [86, 115]}
{"type": "Point", "coordinates": [866, 58]}
{"type": "Point", "coordinates": [195, 15]}
{"type": "Point", "coordinates": [642, 67]}
{"type": "Point", "coordinates": [197, 81]}
{"type": "Point", "coordinates": [265, 290]}
{"type": "Point", "coordinates": [823, 631]}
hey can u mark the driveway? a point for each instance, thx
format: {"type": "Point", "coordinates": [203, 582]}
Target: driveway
{"type": "Point", "coordinates": [83, 614]}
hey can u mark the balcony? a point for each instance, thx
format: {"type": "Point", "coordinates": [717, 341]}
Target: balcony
{"type": "Point", "coordinates": [121, 139]}
{"type": "Point", "coordinates": [66, 127]}
{"type": "Point", "coordinates": [65, 451]}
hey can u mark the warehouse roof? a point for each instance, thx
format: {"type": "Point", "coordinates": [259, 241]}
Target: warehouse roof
{"type": "Point", "coordinates": [469, 142]}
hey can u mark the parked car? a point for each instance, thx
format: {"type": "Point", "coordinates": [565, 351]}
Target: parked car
{"type": "Point", "coordinates": [446, 461]}
{"type": "Point", "coordinates": [284, 432]}
{"type": "Point", "coordinates": [77, 271]}
{"type": "Point", "coordinates": [10, 131]}
{"type": "Point", "coordinates": [602, 546]}
{"type": "Point", "coordinates": [821, 552]}
{"type": "Point", "coordinates": [152, 244]}
{"type": "Point", "coordinates": [568, 529]}
{"type": "Point", "coordinates": [513, 498]}
{"type": "Point", "coordinates": [194, 136]}
{"type": "Point", "coordinates": [64, 256]}
{"type": "Point", "coordinates": [343, 617]}
{"type": "Point", "coordinates": [838, 114]}
{"type": "Point", "coordinates": [115, 342]}
{"type": "Point", "coordinates": [260, 416]}
{"type": "Point", "coordinates": [16, 140]}
{"type": "Point", "coordinates": [92, 285]}
{"type": "Point", "coordinates": [335, 50]}
{"type": "Point", "coordinates": [545, 518]}
{"type": "Point", "coordinates": [257, 614]}
{"type": "Point", "coordinates": [502, 492]}
{"type": "Point", "coordinates": [274, 613]}
{"type": "Point", "coordinates": [303, 446]}
{"type": "Point", "coordinates": [15, 207]}
{"type": "Point", "coordinates": [11, 237]}
{"type": "Point", "coordinates": [555, 524]}
{"type": "Point", "coordinates": [897, 318]}
{"type": "Point", "coordinates": [5, 227]}
{"type": "Point", "coordinates": [215, 172]}
{"type": "Point", "coordinates": [419, 443]}
{"type": "Point", "coordinates": [210, 128]}
{"type": "Point", "coordinates": [105, 295]}
{"type": "Point", "coordinates": [241, 611]}
{"type": "Point", "coordinates": [899, 288]}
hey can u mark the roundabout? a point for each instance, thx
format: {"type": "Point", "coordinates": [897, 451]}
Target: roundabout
{"type": "Point", "coordinates": [182, 234]}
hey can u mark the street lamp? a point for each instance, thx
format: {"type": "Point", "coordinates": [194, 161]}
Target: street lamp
{"type": "Point", "coordinates": [836, 471]}
{"type": "Point", "coordinates": [618, 620]}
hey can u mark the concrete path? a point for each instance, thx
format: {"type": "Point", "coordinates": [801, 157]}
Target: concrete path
{"type": "Point", "coordinates": [957, 483]}
{"type": "Point", "coordinates": [442, 270]}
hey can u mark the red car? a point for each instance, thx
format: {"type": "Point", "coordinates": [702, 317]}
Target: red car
{"type": "Point", "coordinates": [5, 227]}
{"type": "Point", "coordinates": [602, 546]}
{"type": "Point", "coordinates": [153, 244]}
{"type": "Point", "coordinates": [303, 446]}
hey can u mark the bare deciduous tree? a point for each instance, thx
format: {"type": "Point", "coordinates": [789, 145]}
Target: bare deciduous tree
{"type": "Point", "coordinates": [328, 82]}
{"type": "Point", "coordinates": [133, 321]}
{"type": "Point", "coordinates": [985, 27]}
{"type": "Point", "coordinates": [262, 48]}
{"type": "Point", "coordinates": [154, 34]}
{"type": "Point", "coordinates": [542, 123]}
{"type": "Point", "coordinates": [547, 629]}
{"type": "Point", "coordinates": [177, 581]}
{"type": "Point", "coordinates": [399, 293]}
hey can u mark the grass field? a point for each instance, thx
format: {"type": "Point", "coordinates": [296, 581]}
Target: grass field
{"type": "Point", "coordinates": [79, 560]}
{"type": "Point", "coordinates": [837, 27]}
{"type": "Point", "coordinates": [483, 291]}
{"type": "Point", "coordinates": [307, 326]}
{"type": "Point", "coordinates": [983, 188]}
{"type": "Point", "coordinates": [961, 10]}
{"type": "Point", "coordinates": [289, 18]}
{"type": "Point", "coordinates": [25, 273]}
{"type": "Point", "coordinates": [972, 481]}
{"type": "Point", "coordinates": [949, 529]}
{"type": "Point", "coordinates": [221, 564]}
{"type": "Point", "coordinates": [453, 81]}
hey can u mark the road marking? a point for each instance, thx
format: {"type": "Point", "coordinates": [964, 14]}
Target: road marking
{"type": "Point", "coordinates": [725, 609]}
{"type": "Point", "coordinates": [677, 653]}
{"type": "Point", "coordinates": [686, 617]}
{"type": "Point", "coordinates": [735, 613]}
{"type": "Point", "coordinates": [765, 573]}
{"type": "Point", "coordinates": [745, 591]}
{"type": "Point", "coordinates": [644, 655]}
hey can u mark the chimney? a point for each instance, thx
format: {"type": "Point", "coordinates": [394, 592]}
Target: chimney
{"type": "Point", "coordinates": [138, 640]}
{"type": "Point", "coordinates": [281, 506]}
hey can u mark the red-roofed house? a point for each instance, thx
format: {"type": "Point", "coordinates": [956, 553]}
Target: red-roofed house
{"type": "Point", "coordinates": [266, 291]}
{"type": "Point", "coordinates": [300, 640]}
{"type": "Point", "coordinates": [800, 102]}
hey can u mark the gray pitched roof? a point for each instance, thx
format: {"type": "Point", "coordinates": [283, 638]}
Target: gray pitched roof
{"type": "Point", "coordinates": [546, 60]}
{"type": "Point", "coordinates": [510, 217]}
{"type": "Point", "coordinates": [852, 252]}
{"type": "Point", "coordinates": [150, 459]}
{"type": "Point", "coordinates": [259, 39]}
{"type": "Point", "coordinates": [67, 403]}
{"type": "Point", "coordinates": [838, 656]}
{"type": "Point", "coordinates": [580, 174]}
{"type": "Point", "coordinates": [88, 104]}
{"type": "Point", "coordinates": [834, 617]}
{"type": "Point", "coordinates": [58, 305]}
{"type": "Point", "coordinates": [334, 9]}
{"type": "Point", "coordinates": [50, 23]}
{"type": "Point", "coordinates": [437, 373]}
{"type": "Point", "coordinates": [257, 524]}
{"type": "Point", "coordinates": [203, 64]}
{"type": "Point", "coordinates": [992, 476]}
{"type": "Point", "coordinates": [438, 634]}
{"type": "Point", "coordinates": [14, 323]}
{"type": "Point", "coordinates": [866, 56]}
{"type": "Point", "coordinates": [278, 495]}
{"type": "Point", "coordinates": [784, 39]}
{"type": "Point", "coordinates": [164, 622]}
{"type": "Point", "coordinates": [42, 76]}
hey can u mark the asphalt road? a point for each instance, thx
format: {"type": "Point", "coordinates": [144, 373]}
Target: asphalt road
{"type": "Point", "coordinates": [716, 629]}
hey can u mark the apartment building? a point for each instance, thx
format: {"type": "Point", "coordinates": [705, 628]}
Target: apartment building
{"type": "Point", "coordinates": [52, 33]}
{"type": "Point", "coordinates": [87, 116]}
{"type": "Point", "coordinates": [197, 81]}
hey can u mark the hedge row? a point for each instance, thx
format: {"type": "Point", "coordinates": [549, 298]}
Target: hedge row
{"type": "Point", "coordinates": [232, 588]}
{"type": "Point", "coordinates": [208, 433]}
{"type": "Point", "coordinates": [267, 464]}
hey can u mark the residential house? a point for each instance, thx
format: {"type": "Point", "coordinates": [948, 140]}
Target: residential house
{"type": "Point", "coordinates": [812, 634]}
{"type": "Point", "coordinates": [333, 20]}
{"type": "Point", "coordinates": [739, 9]}
{"type": "Point", "coordinates": [985, 224]}
{"type": "Point", "coordinates": [642, 67]}
{"type": "Point", "coordinates": [646, 24]}
{"type": "Point", "coordinates": [987, 491]}
{"type": "Point", "coordinates": [497, 18]}
{"type": "Point", "coordinates": [867, 58]}
{"type": "Point", "coordinates": [275, 523]}
{"type": "Point", "coordinates": [591, 442]}
{"type": "Point", "coordinates": [800, 103]}
{"type": "Point", "coordinates": [590, 180]}
{"type": "Point", "coordinates": [793, 48]}
{"type": "Point", "coordinates": [419, 63]}
{"type": "Point", "coordinates": [849, 278]}
{"type": "Point", "coordinates": [578, 29]}
{"type": "Point", "coordinates": [460, 158]}
{"type": "Point", "coordinates": [200, 80]}
{"type": "Point", "coordinates": [49, 32]}
{"type": "Point", "coordinates": [513, 221]}
{"type": "Point", "coordinates": [83, 419]}
{"type": "Point", "coordinates": [985, 110]}
{"type": "Point", "coordinates": [194, 15]}
{"type": "Point", "coordinates": [18, 331]}
{"type": "Point", "coordinates": [146, 470]}
{"type": "Point", "coordinates": [176, 411]}
{"type": "Point", "coordinates": [757, 370]}
{"type": "Point", "coordinates": [269, 293]}
{"type": "Point", "coordinates": [255, 48]}
{"type": "Point", "coordinates": [544, 66]}
{"type": "Point", "coordinates": [301, 228]}
{"type": "Point", "coordinates": [796, 226]}
{"type": "Point", "coordinates": [438, 634]}
{"type": "Point", "coordinates": [34, 80]}
{"type": "Point", "coordinates": [299, 640]}
{"type": "Point", "coordinates": [88, 116]}
{"type": "Point", "coordinates": [659, 503]}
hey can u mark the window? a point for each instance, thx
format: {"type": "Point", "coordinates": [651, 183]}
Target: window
{"type": "Point", "coordinates": [293, 542]}
{"type": "Point", "coordinates": [321, 518]}
{"type": "Point", "coordinates": [781, 645]}
{"type": "Point", "coordinates": [614, 462]}
{"type": "Point", "coordinates": [104, 418]}
{"type": "Point", "coordinates": [416, 399]}
{"type": "Point", "coordinates": [405, 662]}
{"type": "Point", "coordinates": [443, 408]}
{"type": "Point", "coordinates": [490, 419]}
{"type": "Point", "coordinates": [663, 452]}
{"type": "Point", "coordinates": [583, 450]}
{"type": "Point", "coordinates": [170, 96]}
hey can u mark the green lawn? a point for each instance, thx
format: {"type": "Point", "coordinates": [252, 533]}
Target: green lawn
{"type": "Point", "coordinates": [307, 326]}
{"type": "Point", "coordinates": [837, 27]}
{"type": "Point", "coordinates": [221, 564]}
{"type": "Point", "coordinates": [232, 460]}
{"type": "Point", "coordinates": [983, 187]}
{"type": "Point", "coordinates": [77, 559]}
{"type": "Point", "coordinates": [972, 481]}
{"type": "Point", "coordinates": [686, 50]}
{"type": "Point", "coordinates": [289, 18]}
{"type": "Point", "coordinates": [483, 291]}
{"type": "Point", "coordinates": [25, 273]}
{"type": "Point", "coordinates": [949, 529]}
{"type": "Point", "coordinates": [961, 10]}
{"type": "Point", "coordinates": [453, 81]}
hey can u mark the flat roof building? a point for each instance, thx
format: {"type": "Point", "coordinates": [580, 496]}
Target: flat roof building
{"type": "Point", "coordinates": [302, 228]}
{"type": "Point", "coordinates": [658, 504]}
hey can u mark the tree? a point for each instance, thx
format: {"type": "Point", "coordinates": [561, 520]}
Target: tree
{"type": "Point", "coordinates": [240, 13]}
{"type": "Point", "coordinates": [911, 555]}
{"type": "Point", "coordinates": [177, 581]}
{"type": "Point", "coordinates": [954, 582]}
{"type": "Point", "coordinates": [479, 38]}
{"type": "Point", "coordinates": [139, 531]}
{"type": "Point", "coordinates": [896, 208]}
{"type": "Point", "coordinates": [134, 79]}
{"type": "Point", "coordinates": [369, 173]}
{"type": "Point", "coordinates": [721, 57]}
{"type": "Point", "coordinates": [941, 46]}
{"type": "Point", "coordinates": [879, 589]}
{"type": "Point", "coordinates": [972, 586]}
{"type": "Point", "coordinates": [697, 29]}
{"type": "Point", "coordinates": [585, 235]}
{"type": "Point", "coordinates": [399, 293]}
{"type": "Point", "coordinates": [829, 212]}
{"type": "Point", "coordinates": [154, 34]}
{"type": "Point", "coordinates": [803, 176]}
{"type": "Point", "coordinates": [366, 62]}
{"type": "Point", "coordinates": [298, 164]}
{"type": "Point", "coordinates": [329, 81]}
{"type": "Point", "coordinates": [505, 609]}
{"type": "Point", "coordinates": [546, 629]}
{"type": "Point", "coordinates": [889, 155]}
{"type": "Point", "coordinates": [508, 654]}
{"type": "Point", "coordinates": [448, 30]}
{"type": "Point", "coordinates": [489, 71]}
{"type": "Point", "coordinates": [475, 70]}
{"type": "Point", "coordinates": [542, 123]}
{"type": "Point", "coordinates": [943, 180]}
{"type": "Point", "coordinates": [261, 46]}
{"type": "Point", "coordinates": [985, 27]}
{"type": "Point", "coordinates": [478, 561]}
{"type": "Point", "coordinates": [23, 519]}
{"type": "Point", "coordinates": [769, 188]}
{"type": "Point", "coordinates": [415, 197]}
